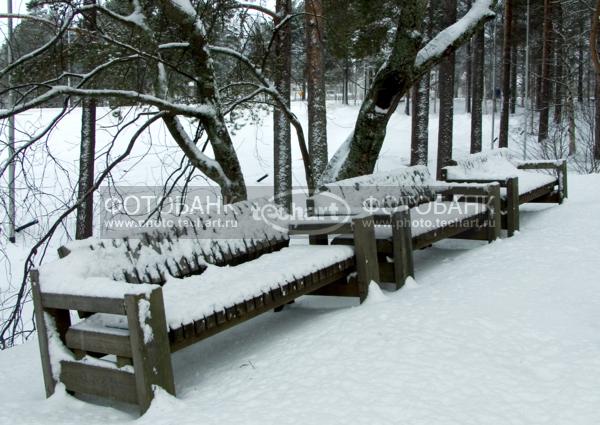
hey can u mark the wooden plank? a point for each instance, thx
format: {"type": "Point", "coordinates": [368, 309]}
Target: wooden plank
{"type": "Point", "coordinates": [536, 194]}
{"type": "Point", "coordinates": [100, 381]}
{"type": "Point", "coordinates": [98, 342]}
{"type": "Point", "coordinates": [403, 247]}
{"type": "Point", "coordinates": [42, 332]}
{"type": "Point", "coordinates": [262, 304]}
{"type": "Point", "coordinates": [149, 346]}
{"type": "Point", "coordinates": [424, 240]}
{"type": "Point", "coordinates": [83, 303]}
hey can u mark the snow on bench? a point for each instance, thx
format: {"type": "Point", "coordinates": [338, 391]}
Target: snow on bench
{"type": "Point", "coordinates": [154, 293]}
{"type": "Point", "coordinates": [498, 164]}
{"type": "Point", "coordinates": [519, 184]}
{"type": "Point", "coordinates": [406, 200]}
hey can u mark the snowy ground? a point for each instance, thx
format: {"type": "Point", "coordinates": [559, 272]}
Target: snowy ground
{"type": "Point", "coordinates": [506, 333]}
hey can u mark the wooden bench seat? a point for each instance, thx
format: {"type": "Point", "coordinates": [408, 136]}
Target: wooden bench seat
{"type": "Point", "coordinates": [408, 206]}
{"type": "Point", "coordinates": [519, 180]}
{"type": "Point", "coordinates": [147, 296]}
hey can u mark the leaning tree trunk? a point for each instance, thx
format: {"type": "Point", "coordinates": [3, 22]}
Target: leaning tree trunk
{"type": "Point", "coordinates": [317, 111]}
{"type": "Point", "coordinates": [544, 100]}
{"type": "Point", "coordinates": [405, 64]}
{"type": "Point", "coordinates": [282, 155]}
{"type": "Point", "coordinates": [446, 96]}
{"type": "Point", "coordinates": [84, 222]}
{"type": "Point", "coordinates": [506, 74]}
{"type": "Point", "coordinates": [476, 111]}
{"type": "Point", "coordinates": [227, 173]}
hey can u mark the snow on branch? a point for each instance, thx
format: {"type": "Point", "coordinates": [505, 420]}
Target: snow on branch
{"type": "Point", "coordinates": [162, 104]}
{"type": "Point", "coordinates": [136, 18]}
{"type": "Point", "coordinates": [448, 39]}
{"type": "Point", "coordinates": [207, 165]}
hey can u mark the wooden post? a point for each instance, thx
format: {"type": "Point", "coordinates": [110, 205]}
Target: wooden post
{"type": "Point", "coordinates": [494, 205]}
{"type": "Point", "coordinates": [512, 205]}
{"type": "Point", "coordinates": [562, 182]}
{"type": "Point", "coordinates": [365, 246]}
{"type": "Point", "coordinates": [402, 247]}
{"type": "Point", "coordinates": [149, 345]}
{"type": "Point", "coordinates": [62, 321]}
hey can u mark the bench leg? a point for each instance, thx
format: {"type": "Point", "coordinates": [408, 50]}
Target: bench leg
{"type": "Point", "coordinates": [512, 205]}
{"type": "Point", "coordinates": [47, 320]}
{"type": "Point", "coordinates": [149, 345]}
{"type": "Point", "coordinates": [494, 219]}
{"type": "Point", "coordinates": [402, 247]}
{"type": "Point", "coordinates": [365, 247]}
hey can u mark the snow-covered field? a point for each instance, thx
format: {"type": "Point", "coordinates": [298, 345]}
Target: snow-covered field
{"type": "Point", "coordinates": [502, 333]}
{"type": "Point", "coordinates": [506, 333]}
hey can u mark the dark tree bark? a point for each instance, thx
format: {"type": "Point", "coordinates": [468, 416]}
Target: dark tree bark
{"type": "Point", "coordinates": [544, 100]}
{"type": "Point", "coordinates": [420, 122]}
{"type": "Point", "coordinates": [558, 73]}
{"type": "Point", "coordinates": [478, 69]}
{"type": "Point", "coordinates": [469, 70]}
{"type": "Point", "coordinates": [282, 155]}
{"type": "Point", "coordinates": [597, 119]}
{"type": "Point", "coordinates": [317, 118]}
{"type": "Point", "coordinates": [419, 149]}
{"type": "Point", "coordinates": [596, 62]}
{"type": "Point", "coordinates": [346, 83]}
{"type": "Point", "coordinates": [580, 66]}
{"type": "Point", "coordinates": [506, 74]}
{"type": "Point", "coordinates": [447, 66]}
{"type": "Point", "coordinates": [513, 77]}
{"type": "Point", "coordinates": [84, 222]}
{"type": "Point", "coordinates": [407, 103]}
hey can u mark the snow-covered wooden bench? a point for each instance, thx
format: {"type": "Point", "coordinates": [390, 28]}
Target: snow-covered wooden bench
{"type": "Point", "coordinates": [145, 298]}
{"type": "Point", "coordinates": [413, 212]}
{"type": "Point", "coordinates": [519, 184]}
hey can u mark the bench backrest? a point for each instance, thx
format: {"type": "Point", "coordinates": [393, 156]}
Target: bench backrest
{"type": "Point", "coordinates": [497, 163]}
{"type": "Point", "coordinates": [150, 257]}
{"type": "Point", "coordinates": [408, 186]}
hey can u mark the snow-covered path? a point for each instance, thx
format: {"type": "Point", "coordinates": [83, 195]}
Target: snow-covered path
{"type": "Point", "coordinates": [506, 333]}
